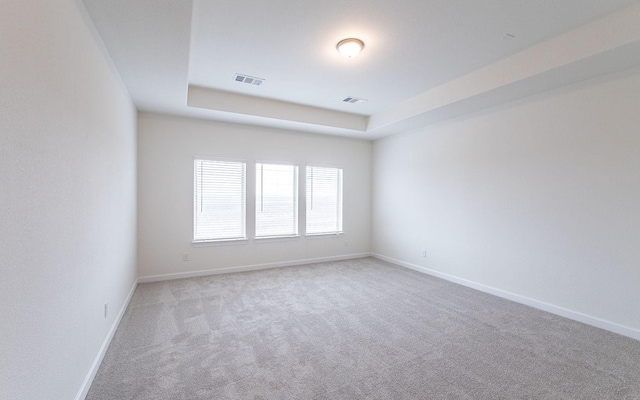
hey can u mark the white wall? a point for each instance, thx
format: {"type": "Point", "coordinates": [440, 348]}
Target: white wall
{"type": "Point", "coordinates": [67, 198]}
{"type": "Point", "coordinates": [540, 198]}
{"type": "Point", "coordinates": [166, 148]}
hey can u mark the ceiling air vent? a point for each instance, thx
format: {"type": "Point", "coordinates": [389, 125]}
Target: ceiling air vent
{"type": "Point", "coordinates": [353, 100]}
{"type": "Point", "coordinates": [251, 80]}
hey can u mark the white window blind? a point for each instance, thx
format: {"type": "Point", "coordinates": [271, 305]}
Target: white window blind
{"type": "Point", "coordinates": [324, 200]}
{"type": "Point", "coordinates": [276, 200]}
{"type": "Point", "coordinates": [219, 200]}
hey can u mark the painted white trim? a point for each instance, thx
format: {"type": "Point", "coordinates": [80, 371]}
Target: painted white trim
{"type": "Point", "coordinates": [246, 268]}
{"type": "Point", "coordinates": [88, 380]}
{"type": "Point", "coordinates": [551, 308]}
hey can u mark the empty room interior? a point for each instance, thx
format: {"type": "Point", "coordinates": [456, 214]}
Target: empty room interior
{"type": "Point", "coordinates": [409, 199]}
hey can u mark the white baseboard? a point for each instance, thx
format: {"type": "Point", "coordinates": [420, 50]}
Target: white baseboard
{"type": "Point", "coordinates": [84, 389]}
{"type": "Point", "coordinates": [553, 309]}
{"type": "Point", "coordinates": [246, 268]}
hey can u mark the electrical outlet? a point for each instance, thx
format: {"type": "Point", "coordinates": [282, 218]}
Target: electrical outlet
{"type": "Point", "coordinates": [185, 257]}
{"type": "Point", "coordinates": [106, 309]}
{"type": "Point", "coordinates": [424, 254]}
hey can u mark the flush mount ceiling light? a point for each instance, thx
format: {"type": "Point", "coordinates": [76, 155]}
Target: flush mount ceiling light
{"type": "Point", "coordinates": [350, 48]}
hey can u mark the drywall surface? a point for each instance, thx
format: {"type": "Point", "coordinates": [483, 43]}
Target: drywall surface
{"type": "Point", "coordinates": [166, 149]}
{"type": "Point", "coordinates": [539, 198]}
{"type": "Point", "coordinates": [67, 198]}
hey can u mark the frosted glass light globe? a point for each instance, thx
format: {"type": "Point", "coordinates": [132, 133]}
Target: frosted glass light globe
{"type": "Point", "coordinates": [350, 48]}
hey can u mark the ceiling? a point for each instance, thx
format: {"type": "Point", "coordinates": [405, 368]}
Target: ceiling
{"type": "Point", "coordinates": [424, 60]}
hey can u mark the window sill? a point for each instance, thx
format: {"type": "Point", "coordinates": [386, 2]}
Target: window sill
{"type": "Point", "coordinates": [219, 242]}
{"type": "Point", "coordinates": [266, 239]}
{"type": "Point", "coordinates": [323, 235]}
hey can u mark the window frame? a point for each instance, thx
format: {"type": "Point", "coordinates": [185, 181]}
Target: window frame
{"type": "Point", "coordinates": [214, 241]}
{"type": "Point", "coordinates": [340, 212]}
{"type": "Point", "coordinates": [297, 189]}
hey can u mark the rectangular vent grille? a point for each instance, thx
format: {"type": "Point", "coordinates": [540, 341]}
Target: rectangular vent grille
{"type": "Point", "coordinates": [251, 80]}
{"type": "Point", "coordinates": [353, 100]}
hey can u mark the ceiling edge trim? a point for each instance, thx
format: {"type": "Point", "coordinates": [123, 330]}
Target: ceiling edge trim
{"type": "Point", "coordinates": [218, 100]}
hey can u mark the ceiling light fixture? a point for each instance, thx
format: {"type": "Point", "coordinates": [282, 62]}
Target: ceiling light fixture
{"type": "Point", "coordinates": [350, 48]}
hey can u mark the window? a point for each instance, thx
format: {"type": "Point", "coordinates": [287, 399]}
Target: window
{"type": "Point", "coordinates": [324, 200]}
{"type": "Point", "coordinates": [276, 200]}
{"type": "Point", "coordinates": [219, 200]}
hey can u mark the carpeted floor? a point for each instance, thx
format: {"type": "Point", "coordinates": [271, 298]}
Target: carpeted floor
{"type": "Point", "coordinates": [358, 329]}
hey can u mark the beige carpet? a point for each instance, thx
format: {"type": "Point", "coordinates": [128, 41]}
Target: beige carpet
{"type": "Point", "coordinates": [359, 329]}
